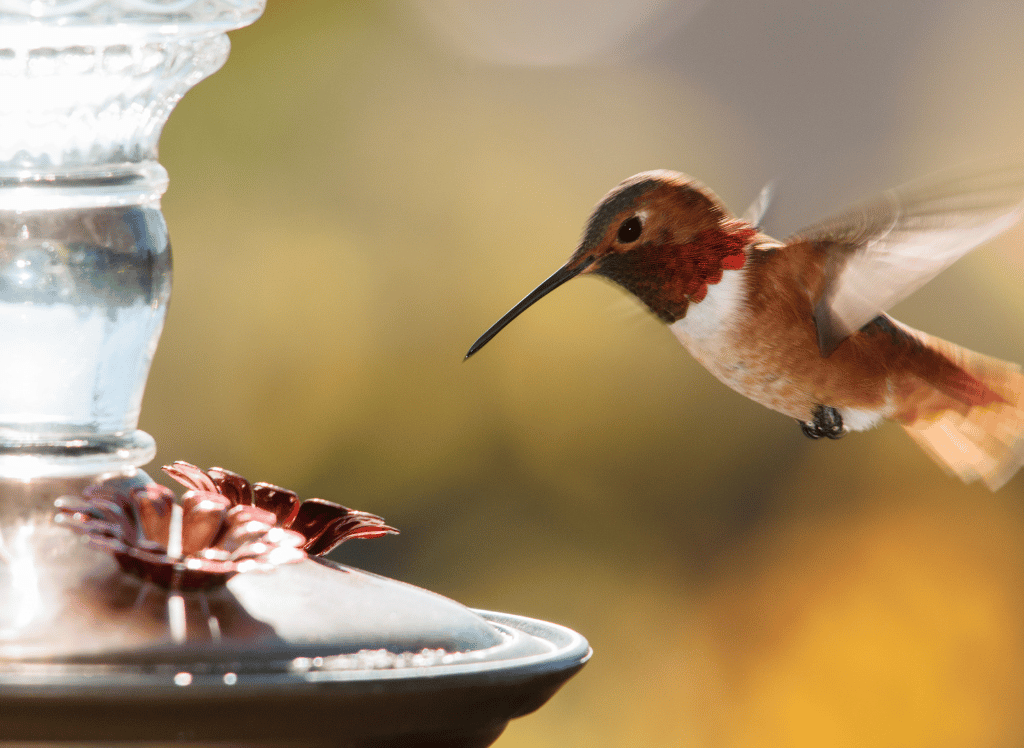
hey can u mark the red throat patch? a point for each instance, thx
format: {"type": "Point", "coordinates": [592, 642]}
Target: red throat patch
{"type": "Point", "coordinates": [669, 277]}
{"type": "Point", "coordinates": [714, 251]}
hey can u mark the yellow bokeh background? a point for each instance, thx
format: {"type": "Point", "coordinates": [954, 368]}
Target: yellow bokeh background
{"type": "Point", "coordinates": [365, 187]}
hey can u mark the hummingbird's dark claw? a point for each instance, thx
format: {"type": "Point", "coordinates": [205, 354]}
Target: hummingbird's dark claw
{"type": "Point", "coordinates": [827, 422]}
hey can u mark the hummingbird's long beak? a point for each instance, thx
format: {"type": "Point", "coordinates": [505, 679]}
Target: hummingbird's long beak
{"type": "Point", "coordinates": [565, 273]}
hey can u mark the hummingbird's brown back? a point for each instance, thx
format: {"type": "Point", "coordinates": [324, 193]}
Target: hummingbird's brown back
{"type": "Point", "coordinates": [962, 407]}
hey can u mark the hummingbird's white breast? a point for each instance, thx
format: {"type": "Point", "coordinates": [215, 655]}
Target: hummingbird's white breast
{"type": "Point", "coordinates": [709, 328]}
{"type": "Point", "coordinates": [713, 332]}
{"type": "Point", "coordinates": [717, 332]}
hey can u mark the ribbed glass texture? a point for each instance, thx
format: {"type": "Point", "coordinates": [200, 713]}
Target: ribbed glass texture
{"type": "Point", "coordinates": [85, 82]}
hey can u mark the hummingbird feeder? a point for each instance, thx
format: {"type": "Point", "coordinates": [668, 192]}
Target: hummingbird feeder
{"type": "Point", "coordinates": [127, 613]}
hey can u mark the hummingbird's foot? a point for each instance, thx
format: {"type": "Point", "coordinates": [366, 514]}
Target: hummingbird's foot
{"type": "Point", "coordinates": [827, 422]}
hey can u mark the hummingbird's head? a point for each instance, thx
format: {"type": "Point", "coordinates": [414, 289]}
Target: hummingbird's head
{"type": "Point", "coordinates": [660, 235]}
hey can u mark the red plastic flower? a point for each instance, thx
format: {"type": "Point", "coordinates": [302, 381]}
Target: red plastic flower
{"type": "Point", "coordinates": [323, 524]}
{"type": "Point", "coordinates": [199, 542]}
{"type": "Point", "coordinates": [222, 526]}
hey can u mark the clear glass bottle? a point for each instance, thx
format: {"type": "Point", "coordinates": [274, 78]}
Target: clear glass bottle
{"type": "Point", "coordinates": [85, 265]}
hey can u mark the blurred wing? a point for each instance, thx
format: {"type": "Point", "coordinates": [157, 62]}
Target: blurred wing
{"type": "Point", "coordinates": [756, 212]}
{"type": "Point", "coordinates": [882, 250]}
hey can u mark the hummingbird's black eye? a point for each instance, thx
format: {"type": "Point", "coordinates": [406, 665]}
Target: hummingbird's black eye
{"type": "Point", "coordinates": [630, 230]}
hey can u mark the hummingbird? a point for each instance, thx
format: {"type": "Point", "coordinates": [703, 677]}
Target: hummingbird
{"type": "Point", "coordinates": [800, 325]}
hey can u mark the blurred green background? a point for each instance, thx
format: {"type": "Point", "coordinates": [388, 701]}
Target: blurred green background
{"type": "Point", "coordinates": [367, 186]}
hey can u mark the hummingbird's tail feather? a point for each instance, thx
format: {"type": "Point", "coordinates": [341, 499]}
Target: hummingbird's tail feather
{"type": "Point", "coordinates": [976, 436]}
{"type": "Point", "coordinates": [972, 446]}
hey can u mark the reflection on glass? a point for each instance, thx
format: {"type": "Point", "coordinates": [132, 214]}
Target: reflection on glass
{"type": "Point", "coordinates": [82, 301]}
